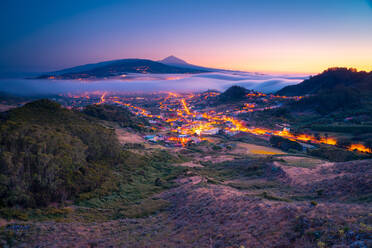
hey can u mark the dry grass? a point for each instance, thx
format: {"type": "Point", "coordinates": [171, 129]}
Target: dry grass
{"type": "Point", "coordinates": [305, 162]}
{"type": "Point", "coordinates": [216, 159]}
{"type": "Point", "coordinates": [251, 149]}
{"type": "Point", "coordinates": [249, 213]}
{"type": "Point", "coordinates": [128, 137]}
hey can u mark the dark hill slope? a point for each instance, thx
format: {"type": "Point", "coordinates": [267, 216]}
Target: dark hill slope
{"type": "Point", "coordinates": [232, 94]}
{"type": "Point", "coordinates": [340, 91]}
{"type": "Point", "coordinates": [115, 114]}
{"type": "Point", "coordinates": [51, 154]}
{"type": "Point", "coordinates": [330, 80]}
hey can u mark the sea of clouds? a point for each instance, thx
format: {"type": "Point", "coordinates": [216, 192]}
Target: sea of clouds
{"type": "Point", "coordinates": [145, 83]}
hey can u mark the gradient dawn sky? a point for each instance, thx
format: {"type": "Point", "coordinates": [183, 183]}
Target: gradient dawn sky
{"type": "Point", "coordinates": [304, 36]}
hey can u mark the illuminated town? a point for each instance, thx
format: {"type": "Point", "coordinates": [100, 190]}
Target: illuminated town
{"type": "Point", "coordinates": [182, 119]}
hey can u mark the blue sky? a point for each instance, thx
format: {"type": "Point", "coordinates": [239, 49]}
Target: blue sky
{"type": "Point", "coordinates": [252, 35]}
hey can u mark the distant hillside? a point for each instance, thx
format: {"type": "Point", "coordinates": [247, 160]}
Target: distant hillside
{"type": "Point", "coordinates": [329, 80]}
{"type": "Point", "coordinates": [336, 90]}
{"type": "Point", "coordinates": [7, 98]}
{"type": "Point", "coordinates": [118, 68]}
{"type": "Point", "coordinates": [233, 94]}
{"type": "Point", "coordinates": [116, 114]}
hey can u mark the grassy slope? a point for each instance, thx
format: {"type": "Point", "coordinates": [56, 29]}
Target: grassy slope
{"type": "Point", "coordinates": [54, 155]}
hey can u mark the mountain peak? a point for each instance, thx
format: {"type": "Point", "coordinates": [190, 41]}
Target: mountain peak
{"type": "Point", "coordinates": [173, 60]}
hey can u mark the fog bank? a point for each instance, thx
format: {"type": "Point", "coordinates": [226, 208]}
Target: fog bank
{"type": "Point", "coordinates": [136, 83]}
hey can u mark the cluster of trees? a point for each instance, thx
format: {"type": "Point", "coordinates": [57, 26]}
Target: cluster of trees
{"type": "Point", "coordinates": [51, 154]}
{"type": "Point", "coordinates": [335, 154]}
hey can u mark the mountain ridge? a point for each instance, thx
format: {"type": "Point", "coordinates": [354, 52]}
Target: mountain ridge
{"type": "Point", "coordinates": [119, 67]}
{"type": "Point", "coordinates": [173, 60]}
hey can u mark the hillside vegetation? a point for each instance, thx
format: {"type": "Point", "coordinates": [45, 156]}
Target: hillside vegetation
{"type": "Point", "coordinates": [334, 90]}
{"type": "Point", "coordinates": [116, 114]}
{"type": "Point", "coordinates": [51, 154]}
{"type": "Point", "coordinates": [330, 80]}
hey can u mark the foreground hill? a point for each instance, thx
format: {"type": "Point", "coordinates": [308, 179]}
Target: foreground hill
{"type": "Point", "coordinates": [49, 154]}
{"type": "Point", "coordinates": [329, 80]}
{"type": "Point", "coordinates": [118, 68]}
{"type": "Point", "coordinates": [241, 203]}
{"type": "Point", "coordinates": [234, 192]}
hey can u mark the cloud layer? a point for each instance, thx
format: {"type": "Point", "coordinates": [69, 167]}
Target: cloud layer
{"type": "Point", "coordinates": [152, 83]}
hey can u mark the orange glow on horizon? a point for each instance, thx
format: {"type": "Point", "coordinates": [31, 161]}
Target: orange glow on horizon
{"type": "Point", "coordinates": [271, 68]}
{"type": "Point", "coordinates": [297, 56]}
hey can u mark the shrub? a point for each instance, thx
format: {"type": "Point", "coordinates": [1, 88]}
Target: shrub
{"type": "Point", "coordinates": [334, 154]}
{"type": "Point", "coordinates": [285, 144]}
{"type": "Point", "coordinates": [143, 209]}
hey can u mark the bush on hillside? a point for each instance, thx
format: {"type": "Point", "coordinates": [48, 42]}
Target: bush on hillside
{"type": "Point", "coordinates": [334, 154]}
{"type": "Point", "coordinates": [285, 144]}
